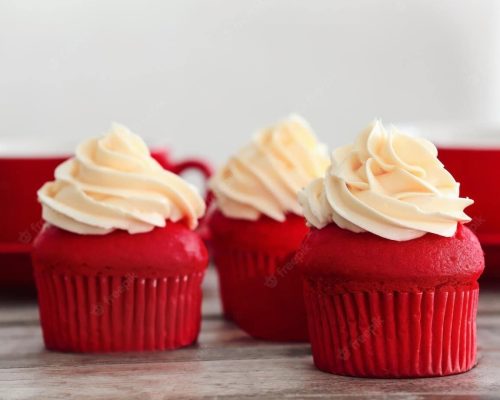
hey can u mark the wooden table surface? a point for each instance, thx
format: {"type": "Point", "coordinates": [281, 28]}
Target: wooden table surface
{"type": "Point", "coordinates": [225, 364]}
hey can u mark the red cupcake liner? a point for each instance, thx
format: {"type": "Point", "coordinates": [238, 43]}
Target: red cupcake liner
{"type": "Point", "coordinates": [262, 293]}
{"type": "Point", "coordinates": [118, 313]}
{"type": "Point", "coordinates": [392, 334]}
{"type": "Point", "coordinates": [235, 267]}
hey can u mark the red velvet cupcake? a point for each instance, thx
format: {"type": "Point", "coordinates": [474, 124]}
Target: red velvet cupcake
{"type": "Point", "coordinates": [112, 274]}
{"type": "Point", "coordinates": [390, 273]}
{"type": "Point", "coordinates": [258, 226]}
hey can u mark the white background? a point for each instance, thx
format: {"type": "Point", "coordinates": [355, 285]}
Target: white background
{"type": "Point", "coordinates": [204, 75]}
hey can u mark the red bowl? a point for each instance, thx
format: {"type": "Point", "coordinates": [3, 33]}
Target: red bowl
{"type": "Point", "coordinates": [470, 151]}
{"type": "Point", "coordinates": [478, 171]}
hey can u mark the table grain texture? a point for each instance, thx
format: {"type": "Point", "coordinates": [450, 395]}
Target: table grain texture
{"type": "Point", "coordinates": [225, 364]}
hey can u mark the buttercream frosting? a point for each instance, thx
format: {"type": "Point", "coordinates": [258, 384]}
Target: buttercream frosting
{"type": "Point", "coordinates": [112, 183]}
{"type": "Point", "coordinates": [387, 183]}
{"type": "Point", "coordinates": [263, 178]}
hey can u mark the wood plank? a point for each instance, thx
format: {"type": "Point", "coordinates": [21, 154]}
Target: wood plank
{"type": "Point", "coordinates": [286, 376]}
{"type": "Point", "coordinates": [226, 364]}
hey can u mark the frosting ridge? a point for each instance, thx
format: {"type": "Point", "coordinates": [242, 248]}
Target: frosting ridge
{"type": "Point", "coordinates": [388, 183]}
{"type": "Point", "coordinates": [111, 183]}
{"type": "Point", "coordinates": [263, 178]}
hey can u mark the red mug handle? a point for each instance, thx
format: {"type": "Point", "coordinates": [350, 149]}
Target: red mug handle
{"type": "Point", "coordinates": [196, 164]}
{"type": "Point", "coordinates": [206, 170]}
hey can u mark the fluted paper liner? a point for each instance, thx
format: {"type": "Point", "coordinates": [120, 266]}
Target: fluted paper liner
{"type": "Point", "coordinates": [262, 293]}
{"type": "Point", "coordinates": [392, 334]}
{"type": "Point", "coordinates": [118, 313]}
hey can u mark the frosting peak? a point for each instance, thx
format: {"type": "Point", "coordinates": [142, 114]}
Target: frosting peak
{"type": "Point", "coordinates": [111, 183]}
{"type": "Point", "coordinates": [264, 177]}
{"type": "Point", "coordinates": [387, 183]}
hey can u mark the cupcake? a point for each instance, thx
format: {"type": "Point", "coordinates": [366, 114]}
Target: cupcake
{"type": "Point", "coordinates": [257, 226]}
{"type": "Point", "coordinates": [117, 265]}
{"type": "Point", "coordinates": [390, 271]}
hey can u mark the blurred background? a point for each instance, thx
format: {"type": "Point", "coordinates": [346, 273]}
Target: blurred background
{"type": "Point", "coordinates": [204, 75]}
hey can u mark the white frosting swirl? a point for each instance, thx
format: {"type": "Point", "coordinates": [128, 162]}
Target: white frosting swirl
{"type": "Point", "coordinates": [265, 176]}
{"type": "Point", "coordinates": [389, 184]}
{"type": "Point", "coordinates": [114, 183]}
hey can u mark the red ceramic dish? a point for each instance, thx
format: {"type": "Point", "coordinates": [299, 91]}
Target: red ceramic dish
{"type": "Point", "coordinates": [471, 153]}
{"type": "Point", "coordinates": [381, 308]}
{"type": "Point", "coordinates": [478, 171]}
{"type": "Point", "coordinates": [119, 292]}
{"type": "Point", "coordinates": [20, 213]}
{"type": "Point", "coordinates": [260, 288]}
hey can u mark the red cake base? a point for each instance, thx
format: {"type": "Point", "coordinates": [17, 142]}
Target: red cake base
{"type": "Point", "coordinates": [119, 292]}
{"type": "Point", "coordinates": [386, 309]}
{"type": "Point", "coordinates": [261, 289]}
